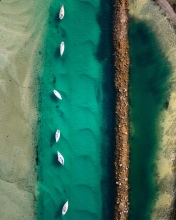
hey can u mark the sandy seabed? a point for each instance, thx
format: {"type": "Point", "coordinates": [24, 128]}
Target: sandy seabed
{"type": "Point", "coordinates": [161, 24]}
{"type": "Point", "coordinates": [22, 29]}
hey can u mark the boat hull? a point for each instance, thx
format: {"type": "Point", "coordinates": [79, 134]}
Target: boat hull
{"type": "Point", "coordinates": [62, 48]}
{"type": "Point", "coordinates": [57, 94]}
{"type": "Point", "coordinates": [60, 158]}
{"type": "Point", "coordinates": [62, 12]}
{"type": "Point", "coordinates": [57, 135]}
{"type": "Point", "coordinates": [65, 208]}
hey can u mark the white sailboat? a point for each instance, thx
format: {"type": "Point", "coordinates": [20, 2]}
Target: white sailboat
{"type": "Point", "coordinates": [61, 12]}
{"type": "Point", "coordinates": [60, 158]}
{"type": "Point", "coordinates": [65, 208]}
{"type": "Point", "coordinates": [62, 47]}
{"type": "Point", "coordinates": [57, 135]}
{"type": "Point", "coordinates": [57, 94]}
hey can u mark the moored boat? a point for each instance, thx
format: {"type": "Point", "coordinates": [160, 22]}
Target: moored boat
{"type": "Point", "coordinates": [57, 94]}
{"type": "Point", "coordinates": [62, 47]}
{"type": "Point", "coordinates": [61, 12]}
{"type": "Point", "coordinates": [65, 208]}
{"type": "Point", "coordinates": [57, 135]}
{"type": "Point", "coordinates": [60, 158]}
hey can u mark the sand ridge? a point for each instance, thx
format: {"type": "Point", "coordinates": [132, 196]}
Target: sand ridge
{"type": "Point", "coordinates": [22, 28]}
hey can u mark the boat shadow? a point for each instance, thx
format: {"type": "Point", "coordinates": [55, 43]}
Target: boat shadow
{"type": "Point", "coordinates": [53, 98]}
{"type": "Point", "coordinates": [56, 18]}
{"type": "Point", "coordinates": [57, 53]}
{"type": "Point", "coordinates": [59, 211]}
{"type": "Point", "coordinates": [52, 140]}
{"type": "Point", "coordinates": [55, 161]}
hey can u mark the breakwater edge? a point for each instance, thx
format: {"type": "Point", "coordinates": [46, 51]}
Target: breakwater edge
{"type": "Point", "coordinates": [121, 64]}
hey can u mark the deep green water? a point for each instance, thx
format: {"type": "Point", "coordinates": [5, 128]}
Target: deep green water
{"type": "Point", "coordinates": [84, 78]}
{"type": "Point", "coordinates": [149, 74]}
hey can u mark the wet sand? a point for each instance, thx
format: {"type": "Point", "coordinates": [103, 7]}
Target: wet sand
{"type": "Point", "coordinates": [22, 26]}
{"type": "Point", "coordinates": [121, 83]}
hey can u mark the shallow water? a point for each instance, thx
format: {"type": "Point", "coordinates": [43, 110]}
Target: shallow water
{"type": "Point", "coordinates": [149, 74]}
{"type": "Point", "coordinates": [84, 78]}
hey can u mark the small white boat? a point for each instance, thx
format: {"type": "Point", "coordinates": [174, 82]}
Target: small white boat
{"type": "Point", "coordinates": [65, 208]}
{"type": "Point", "coordinates": [60, 158]}
{"type": "Point", "coordinates": [57, 135]}
{"type": "Point", "coordinates": [62, 47]}
{"type": "Point", "coordinates": [57, 94]}
{"type": "Point", "coordinates": [62, 12]}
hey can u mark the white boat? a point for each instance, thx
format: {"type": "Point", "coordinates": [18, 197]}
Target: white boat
{"type": "Point", "coordinates": [60, 158]}
{"type": "Point", "coordinates": [57, 135]}
{"type": "Point", "coordinates": [62, 47]}
{"type": "Point", "coordinates": [65, 208]}
{"type": "Point", "coordinates": [62, 12]}
{"type": "Point", "coordinates": [57, 94]}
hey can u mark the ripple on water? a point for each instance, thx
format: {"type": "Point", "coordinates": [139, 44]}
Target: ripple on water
{"type": "Point", "coordinates": [87, 215]}
{"type": "Point", "coordinates": [84, 190]}
{"type": "Point", "coordinates": [90, 3]}
{"type": "Point", "coordinates": [87, 143]}
{"type": "Point", "coordinates": [87, 110]}
{"type": "Point", "coordinates": [85, 171]}
{"type": "Point", "coordinates": [87, 158]}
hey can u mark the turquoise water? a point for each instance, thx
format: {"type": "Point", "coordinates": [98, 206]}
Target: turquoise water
{"type": "Point", "coordinates": [149, 86]}
{"type": "Point", "coordinates": [84, 78]}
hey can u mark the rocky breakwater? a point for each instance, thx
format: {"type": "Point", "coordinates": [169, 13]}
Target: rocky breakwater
{"type": "Point", "coordinates": [121, 48]}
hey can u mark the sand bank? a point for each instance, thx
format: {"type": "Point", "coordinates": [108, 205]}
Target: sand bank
{"type": "Point", "coordinates": [168, 9]}
{"type": "Point", "coordinates": [22, 26]}
{"type": "Point", "coordinates": [152, 14]}
{"type": "Point", "coordinates": [121, 84]}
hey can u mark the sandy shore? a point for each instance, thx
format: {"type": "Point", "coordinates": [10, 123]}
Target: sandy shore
{"type": "Point", "coordinates": [150, 12]}
{"type": "Point", "coordinates": [168, 9]}
{"type": "Point", "coordinates": [121, 82]}
{"type": "Point", "coordinates": [21, 32]}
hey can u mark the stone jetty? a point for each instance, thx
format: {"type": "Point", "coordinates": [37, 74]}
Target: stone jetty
{"type": "Point", "coordinates": [121, 55]}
